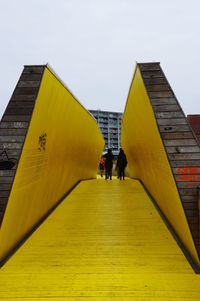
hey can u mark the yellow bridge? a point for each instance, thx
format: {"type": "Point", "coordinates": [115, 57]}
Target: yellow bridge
{"type": "Point", "coordinates": [67, 235]}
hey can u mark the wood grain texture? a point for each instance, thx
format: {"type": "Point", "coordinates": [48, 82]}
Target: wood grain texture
{"type": "Point", "coordinates": [105, 242]}
{"type": "Point", "coordinates": [179, 141]}
{"type": "Point", "coordinates": [14, 125]}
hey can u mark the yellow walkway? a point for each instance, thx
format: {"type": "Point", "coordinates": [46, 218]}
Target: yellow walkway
{"type": "Point", "coordinates": [106, 241]}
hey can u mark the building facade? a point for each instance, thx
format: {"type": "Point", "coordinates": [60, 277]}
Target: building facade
{"type": "Point", "coordinates": [194, 121]}
{"type": "Point", "coordinates": [110, 126]}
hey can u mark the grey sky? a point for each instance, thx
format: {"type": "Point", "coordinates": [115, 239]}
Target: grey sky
{"type": "Point", "coordinates": [93, 46]}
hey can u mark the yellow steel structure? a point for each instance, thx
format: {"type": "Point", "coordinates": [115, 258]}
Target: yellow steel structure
{"type": "Point", "coordinates": [63, 146]}
{"type": "Point", "coordinates": [105, 242]}
{"type": "Point", "coordinates": [147, 159]}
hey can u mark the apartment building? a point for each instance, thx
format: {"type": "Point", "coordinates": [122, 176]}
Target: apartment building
{"type": "Point", "coordinates": [110, 126]}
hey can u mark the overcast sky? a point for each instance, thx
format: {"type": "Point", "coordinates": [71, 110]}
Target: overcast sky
{"type": "Point", "coordinates": [93, 45]}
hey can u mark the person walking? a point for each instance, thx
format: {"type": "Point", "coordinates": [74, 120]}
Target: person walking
{"type": "Point", "coordinates": [101, 166]}
{"type": "Point", "coordinates": [121, 164]}
{"type": "Point", "coordinates": [108, 164]}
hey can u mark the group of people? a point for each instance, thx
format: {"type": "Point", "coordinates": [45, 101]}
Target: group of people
{"type": "Point", "coordinates": [106, 163]}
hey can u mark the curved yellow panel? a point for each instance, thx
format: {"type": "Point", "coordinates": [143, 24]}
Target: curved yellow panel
{"type": "Point", "coordinates": [147, 159]}
{"type": "Point", "coordinates": [63, 145]}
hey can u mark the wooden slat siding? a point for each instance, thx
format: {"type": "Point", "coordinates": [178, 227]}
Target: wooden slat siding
{"type": "Point", "coordinates": [179, 135]}
{"type": "Point", "coordinates": [191, 171]}
{"type": "Point", "coordinates": [179, 141]}
{"type": "Point", "coordinates": [12, 132]}
{"type": "Point", "coordinates": [156, 87]}
{"type": "Point", "coordinates": [171, 121]}
{"type": "Point", "coordinates": [13, 153]}
{"type": "Point", "coordinates": [22, 103]}
{"type": "Point", "coordinates": [17, 117]}
{"type": "Point", "coordinates": [168, 114]}
{"type": "Point", "coordinates": [184, 164]}
{"type": "Point", "coordinates": [165, 108]}
{"type": "Point", "coordinates": [174, 128]}
{"type": "Point", "coordinates": [11, 139]}
{"type": "Point", "coordinates": [182, 149]}
{"type": "Point", "coordinates": [164, 101]}
{"type": "Point", "coordinates": [161, 94]}
{"type": "Point", "coordinates": [14, 125]}
{"type": "Point", "coordinates": [25, 97]}
{"type": "Point", "coordinates": [191, 156]}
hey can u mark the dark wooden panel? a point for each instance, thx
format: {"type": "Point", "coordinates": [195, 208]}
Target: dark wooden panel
{"type": "Point", "coordinates": [192, 212]}
{"type": "Point", "coordinates": [26, 91]}
{"type": "Point", "coordinates": [13, 153]}
{"type": "Point", "coordinates": [170, 122]}
{"type": "Point", "coordinates": [177, 135]}
{"type": "Point", "coordinates": [191, 156]}
{"type": "Point", "coordinates": [12, 132]}
{"type": "Point", "coordinates": [33, 69]}
{"type": "Point", "coordinates": [161, 94]}
{"type": "Point", "coordinates": [182, 149]}
{"type": "Point", "coordinates": [193, 220]}
{"type": "Point", "coordinates": [185, 163]}
{"type": "Point", "coordinates": [188, 178]}
{"type": "Point", "coordinates": [14, 125]}
{"type": "Point", "coordinates": [4, 193]}
{"type": "Point", "coordinates": [24, 104]}
{"type": "Point", "coordinates": [190, 199]}
{"type": "Point", "coordinates": [5, 186]}
{"type": "Point", "coordinates": [168, 114]}
{"type": "Point", "coordinates": [157, 88]}
{"type": "Point", "coordinates": [188, 192]}
{"type": "Point", "coordinates": [16, 118]}
{"type": "Point", "coordinates": [166, 108]}
{"type": "Point", "coordinates": [13, 139]}
{"type": "Point", "coordinates": [5, 180]}
{"type": "Point", "coordinates": [7, 173]}
{"type": "Point", "coordinates": [149, 66]}
{"type": "Point", "coordinates": [11, 145]}
{"type": "Point", "coordinates": [186, 184]}
{"type": "Point", "coordinates": [164, 101]}
{"type": "Point", "coordinates": [180, 142]}
{"type": "Point", "coordinates": [19, 111]}
{"type": "Point", "coordinates": [24, 97]}
{"type": "Point", "coordinates": [152, 74]}
{"type": "Point", "coordinates": [187, 170]}
{"type": "Point", "coordinates": [156, 81]}
{"type": "Point", "coordinates": [3, 201]}
{"type": "Point", "coordinates": [31, 77]}
{"type": "Point", "coordinates": [174, 128]}
{"type": "Point", "coordinates": [28, 84]}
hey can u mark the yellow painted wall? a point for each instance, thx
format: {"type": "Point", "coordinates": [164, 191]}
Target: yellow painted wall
{"type": "Point", "coordinates": [147, 159]}
{"type": "Point", "coordinates": [73, 147]}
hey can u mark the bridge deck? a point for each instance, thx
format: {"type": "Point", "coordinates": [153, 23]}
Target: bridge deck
{"type": "Point", "coordinates": [106, 241]}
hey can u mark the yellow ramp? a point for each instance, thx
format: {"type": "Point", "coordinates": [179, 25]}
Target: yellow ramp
{"type": "Point", "coordinates": [62, 146]}
{"type": "Point", "coordinates": [105, 242]}
{"type": "Point", "coordinates": [160, 148]}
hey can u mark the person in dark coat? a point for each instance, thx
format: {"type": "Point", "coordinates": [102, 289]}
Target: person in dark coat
{"type": "Point", "coordinates": [108, 164]}
{"type": "Point", "coordinates": [121, 164]}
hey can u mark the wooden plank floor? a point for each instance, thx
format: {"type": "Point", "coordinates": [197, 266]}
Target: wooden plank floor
{"type": "Point", "coordinates": [105, 242]}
